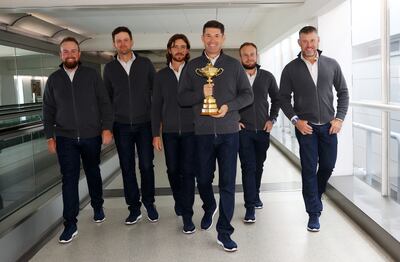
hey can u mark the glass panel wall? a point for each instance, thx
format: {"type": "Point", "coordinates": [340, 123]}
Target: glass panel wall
{"type": "Point", "coordinates": [394, 98]}
{"type": "Point", "coordinates": [23, 75]}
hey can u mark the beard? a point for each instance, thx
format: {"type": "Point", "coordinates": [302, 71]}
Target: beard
{"type": "Point", "coordinates": [70, 63]}
{"type": "Point", "coordinates": [250, 67]}
{"type": "Point", "coordinates": [179, 58]}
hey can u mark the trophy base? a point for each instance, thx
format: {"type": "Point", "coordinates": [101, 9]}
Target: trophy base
{"type": "Point", "coordinates": [209, 112]}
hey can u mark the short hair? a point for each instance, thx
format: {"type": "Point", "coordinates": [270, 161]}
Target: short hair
{"type": "Point", "coordinates": [308, 29]}
{"type": "Point", "coordinates": [121, 29]}
{"type": "Point", "coordinates": [248, 44]}
{"type": "Point", "coordinates": [70, 39]}
{"type": "Point", "coordinates": [214, 24]}
{"type": "Point", "coordinates": [171, 41]}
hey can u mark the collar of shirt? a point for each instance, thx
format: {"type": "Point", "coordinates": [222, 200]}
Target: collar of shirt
{"type": "Point", "coordinates": [127, 65]}
{"type": "Point", "coordinates": [177, 74]}
{"type": "Point", "coordinates": [70, 73]}
{"type": "Point", "coordinates": [252, 77]}
{"type": "Point", "coordinates": [212, 60]}
{"type": "Point", "coordinates": [312, 68]}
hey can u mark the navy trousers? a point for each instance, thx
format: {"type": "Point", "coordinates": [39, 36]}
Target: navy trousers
{"type": "Point", "coordinates": [224, 149]}
{"type": "Point", "coordinates": [252, 152]}
{"type": "Point", "coordinates": [126, 138]}
{"type": "Point", "coordinates": [179, 150]}
{"type": "Point", "coordinates": [69, 153]}
{"type": "Point", "coordinates": [318, 153]}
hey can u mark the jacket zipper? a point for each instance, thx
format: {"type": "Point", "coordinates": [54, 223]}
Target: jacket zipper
{"type": "Point", "coordinates": [75, 112]}
{"type": "Point", "coordinates": [130, 100]}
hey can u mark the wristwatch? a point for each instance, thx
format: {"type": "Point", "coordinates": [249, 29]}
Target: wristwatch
{"type": "Point", "coordinates": [294, 120]}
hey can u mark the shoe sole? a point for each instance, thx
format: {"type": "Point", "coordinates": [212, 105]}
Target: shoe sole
{"type": "Point", "coordinates": [189, 232]}
{"type": "Point", "coordinates": [212, 220]}
{"type": "Point", "coordinates": [226, 249]}
{"type": "Point", "coordinates": [258, 207]}
{"type": "Point", "coordinates": [313, 229]}
{"type": "Point", "coordinates": [69, 240]}
{"type": "Point", "coordinates": [134, 222]}
{"type": "Point", "coordinates": [249, 221]}
{"type": "Point", "coordinates": [152, 220]}
{"type": "Point", "coordinates": [99, 221]}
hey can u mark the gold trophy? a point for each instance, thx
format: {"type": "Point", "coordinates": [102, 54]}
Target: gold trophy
{"type": "Point", "coordinates": [209, 103]}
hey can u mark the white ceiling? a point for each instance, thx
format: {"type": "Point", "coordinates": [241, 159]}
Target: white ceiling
{"type": "Point", "coordinates": [152, 22]}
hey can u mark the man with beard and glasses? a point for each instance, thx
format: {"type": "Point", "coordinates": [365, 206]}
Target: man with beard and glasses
{"type": "Point", "coordinates": [176, 125]}
{"type": "Point", "coordinates": [310, 78]}
{"type": "Point", "coordinates": [217, 136]}
{"type": "Point", "coordinates": [129, 81]}
{"type": "Point", "coordinates": [256, 121]}
{"type": "Point", "coordinates": [77, 118]}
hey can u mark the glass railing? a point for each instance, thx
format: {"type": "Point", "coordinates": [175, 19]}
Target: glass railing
{"type": "Point", "coordinates": [26, 168]}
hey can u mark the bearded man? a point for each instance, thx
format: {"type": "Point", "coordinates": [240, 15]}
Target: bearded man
{"type": "Point", "coordinates": [77, 118]}
{"type": "Point", "coordinates": [256, 121]}
{"type": "Point", "coordinates": [175, 123]}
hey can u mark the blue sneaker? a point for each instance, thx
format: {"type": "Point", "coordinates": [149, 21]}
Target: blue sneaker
{"type": "Point", "coordinates": [227, 243]}
{"type": "Point", "coordinates": [259, 204]}
{"type": "Point", "coordinates": [133, 218]}
{"type": "Point", "coordinates": [152, 214]}
{"type": "Point", "coordinates": [250, 216]}
{"type": "Point", "coordinates": [207, 220]}
{"type": "Point", "coordinates": [68, 234]}
{"type": "Point", "coordinates": [98, 216]}
{"type": "Point", "coordinates": [313, 223]}
{"type": "Point", "coordinates": [188, 226]}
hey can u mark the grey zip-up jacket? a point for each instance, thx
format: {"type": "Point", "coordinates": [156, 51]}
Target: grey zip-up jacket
{"type": "Point", "coordinates": [165, 109]}
{"type": "Point", "coordinates": [130, 95]}
{"type": "Point", "coordinates": [313, 103]}
{"type": "Point", "coordinates": [77, 109]}
{"type": "Point", "coordinates": [257, 114]}
{"type": "Point", "coordinates": [232, 88]}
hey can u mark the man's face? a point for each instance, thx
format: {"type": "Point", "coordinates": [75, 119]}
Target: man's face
{"type": "Point", "coordinates": [213, 40]}
{"type": "Point", "coordinates": [248, 57]}
{"type": "Point", "coordinates": [309, 44]}
{"type": "Point", "coordinates": [123, 43]}
{"type": "Point", "coordinates": [178, 50]}
{"type": "Point", "coordinates": [70, 54]}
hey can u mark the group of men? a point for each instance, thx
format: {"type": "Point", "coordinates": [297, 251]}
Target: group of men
{"type": "Point", "coordinates": [147, 110]}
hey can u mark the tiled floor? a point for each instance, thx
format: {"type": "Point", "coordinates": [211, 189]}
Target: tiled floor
{"type": "Point", "coordinates": [278, 235]}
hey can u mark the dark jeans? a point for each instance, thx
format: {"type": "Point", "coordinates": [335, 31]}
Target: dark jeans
{"type": "Point", "coordinates": [179, 152]}
{"type": "Point", "coordinates": [316, 150]}
{"type": "Point", "coordinates": [126, 137]}
{"type": "Point", "coordinates": [252, 152]}
{"type": "Point", "coordinates": [69, 152]}
{"type": "Point", "coordinates": [223, 148]}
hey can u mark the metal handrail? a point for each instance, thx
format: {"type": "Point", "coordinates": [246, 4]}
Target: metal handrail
{"type": "Point", "coordinates": [373, 130]}
{"type": "Point", "coordinates": [373, 105]}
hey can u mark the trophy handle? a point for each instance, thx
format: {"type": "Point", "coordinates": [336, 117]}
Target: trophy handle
{"type": "Point", "coordinates": [220, 71]}
{"type": "Point", "coordinates": [198, 72]}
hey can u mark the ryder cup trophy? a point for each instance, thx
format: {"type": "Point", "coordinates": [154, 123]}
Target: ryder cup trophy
{"type": "Point", "coordinates": [209, 103]}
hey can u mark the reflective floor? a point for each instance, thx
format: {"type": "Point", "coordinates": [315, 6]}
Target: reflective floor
{"type": "Point", "coordinates": [278, 235]}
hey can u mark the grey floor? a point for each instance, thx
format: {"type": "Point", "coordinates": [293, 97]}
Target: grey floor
{"type": "Point", "coordinates": [278, 235]}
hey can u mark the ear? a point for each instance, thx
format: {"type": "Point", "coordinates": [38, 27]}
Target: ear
{"type": "Point", "coordinates": [298, 42]}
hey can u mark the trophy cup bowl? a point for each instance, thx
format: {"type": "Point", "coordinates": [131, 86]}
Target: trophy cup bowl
{"type": "Point", "coordinates": [209, 103]}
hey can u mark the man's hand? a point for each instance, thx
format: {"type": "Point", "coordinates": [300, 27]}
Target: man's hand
{"type": "Point", "coordinates": [303, 127]}
{"type": "Point", "coordinates": [241, 126]}
{"type": "Point", "coordinates": [106, 136]}
{"type": "Point", "coordinates": [221, 112]}
{"type": "Point", "coordinates": [208, 90]}
{"type": "Point", "coordinates": [157, 143]}
{"type": "Point", "coordinates": [51, 145]}
{"type": "Point", "coordinates": [268, 126]}
{"type": "Point", "coordinates": [336, 126]}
